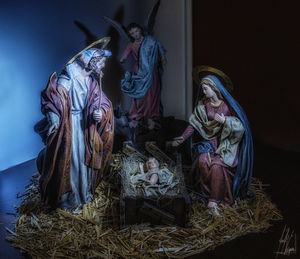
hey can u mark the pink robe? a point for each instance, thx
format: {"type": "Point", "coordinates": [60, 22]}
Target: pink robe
{"type": "Point", "coordinates": [149, 105]}
{"type": "Point", "coordinates": [215, 176]}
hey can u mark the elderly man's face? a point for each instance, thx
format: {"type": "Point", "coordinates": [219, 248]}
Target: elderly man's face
{"type": "Point", "coordinates": [97, 64]}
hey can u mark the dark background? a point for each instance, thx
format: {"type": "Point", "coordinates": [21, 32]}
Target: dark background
{"type": "Point", "coordinates": [256, 43]}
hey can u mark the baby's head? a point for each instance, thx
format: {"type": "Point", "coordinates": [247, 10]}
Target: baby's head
{"type": "Point", "coordinates": [152, 163]}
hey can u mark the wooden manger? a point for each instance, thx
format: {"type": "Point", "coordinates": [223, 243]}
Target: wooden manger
{"type": "Point", "coordinates": [168, 209]}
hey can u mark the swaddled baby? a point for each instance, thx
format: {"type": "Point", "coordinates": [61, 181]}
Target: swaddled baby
{"type": "Point", "coordinates": [154, 181]}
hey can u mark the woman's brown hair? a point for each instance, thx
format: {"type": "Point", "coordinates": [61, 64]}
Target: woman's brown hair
{"type": "Point", "coordinates": [212, 86]}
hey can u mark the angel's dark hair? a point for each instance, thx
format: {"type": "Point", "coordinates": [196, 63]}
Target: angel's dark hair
{"type": "Point", "coordinates": [134, 25]}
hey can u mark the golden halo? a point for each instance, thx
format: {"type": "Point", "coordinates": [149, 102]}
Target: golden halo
{"type": "Point", "coordinates": [200, 69]}
{"type": "Point", "coordinates": [104, 40]}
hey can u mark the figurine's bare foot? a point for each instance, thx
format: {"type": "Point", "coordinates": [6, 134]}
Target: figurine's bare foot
{"type": "Point", "coordinates": [77, 210]}
{"type": "Point", "coordinates": [214, 208]}
{"type": "Point", "coordinates": [74, 210]}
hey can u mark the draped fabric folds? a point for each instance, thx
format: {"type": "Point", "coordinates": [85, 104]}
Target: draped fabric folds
{"type": "Point", "coordinates": [238, 127]}
{"type": "Point", "coordinates": [137, 85]}
{"type": "Point", "coordinates": [57, 167]}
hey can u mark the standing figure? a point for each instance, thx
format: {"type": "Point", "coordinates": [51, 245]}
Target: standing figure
{"type": "Point", "coordinates": [143, 84]}
{"type": "Point", "coordinates": [226, 155]}
{"type": "Point", "coordinates": [78, 132]}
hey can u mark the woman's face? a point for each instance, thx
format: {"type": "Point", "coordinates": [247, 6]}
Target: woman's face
{"type": "Point", "coordinates": [208, 92]}
{"type": "Point", "coordinates": [136, 33]}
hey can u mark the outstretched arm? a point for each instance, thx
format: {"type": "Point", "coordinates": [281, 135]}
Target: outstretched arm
{"type": "Point", "coordinates": [186, 134]}
{"type": "Point", "coordinates": [126, 53]}
{"type": "Point", "coordinates": [141, 166]}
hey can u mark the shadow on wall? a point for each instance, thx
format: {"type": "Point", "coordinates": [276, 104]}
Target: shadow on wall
{"type": "Point", "coordinates": [112, 79]}
{"type": "Point", "coordinates": [113, 71]}
{"type": "Point", "coordinates": [261, 56]}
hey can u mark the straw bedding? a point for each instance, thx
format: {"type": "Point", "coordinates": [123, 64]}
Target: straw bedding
{"type": "Point", "coordinates": [94, 230]}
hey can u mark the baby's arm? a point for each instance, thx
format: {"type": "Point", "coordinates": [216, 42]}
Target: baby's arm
{"type": "Point", "coordinates": [141, 165]}
{"type": "Point", "coordinates": [153, 179]}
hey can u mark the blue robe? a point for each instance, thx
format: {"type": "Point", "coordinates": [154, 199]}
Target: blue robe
{"type": "Point", "coordinates": [137, 85]}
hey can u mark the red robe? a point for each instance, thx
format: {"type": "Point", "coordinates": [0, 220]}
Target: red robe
{"type": "Point", "coordinates": [55, 175]}
{"type": "Point", "coordinates": [215, 177]}
{"type": "Point", "coordinates": [149, 105]}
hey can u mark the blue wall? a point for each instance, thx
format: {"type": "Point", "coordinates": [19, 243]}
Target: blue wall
{"type": "Point", "coordinates": [36, 39]}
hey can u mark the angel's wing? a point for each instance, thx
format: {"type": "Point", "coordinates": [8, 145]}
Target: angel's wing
{"type": "Point", "coordinates": [90, 37]}
{"type": "Point", "coordinates": [149, 24]}
{"type": "Point", "coordinates": [119, 27]}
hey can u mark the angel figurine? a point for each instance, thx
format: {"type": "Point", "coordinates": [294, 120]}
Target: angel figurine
{"type": "Point", "coordinates": [143, 84]}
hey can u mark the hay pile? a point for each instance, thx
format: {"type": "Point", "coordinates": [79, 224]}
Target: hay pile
{"type": "Point", "coordinates": [94, 231]}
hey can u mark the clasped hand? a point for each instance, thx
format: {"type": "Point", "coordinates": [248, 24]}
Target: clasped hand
{"type": "Point", "coordinates": [220, 118]}
{"type": "Point", "coordinates": [52, 129]}
{"type": "Point", "coordinates": [97, 115]}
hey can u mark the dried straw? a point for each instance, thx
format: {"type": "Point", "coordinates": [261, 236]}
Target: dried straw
{"type": "Point", "coordinates": [94, 232]}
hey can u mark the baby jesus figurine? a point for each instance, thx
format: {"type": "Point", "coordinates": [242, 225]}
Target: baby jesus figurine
{"type": "Point", "coordinates": [154, 181]}
{"type": "Point", "coordinates": [152, 166]}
